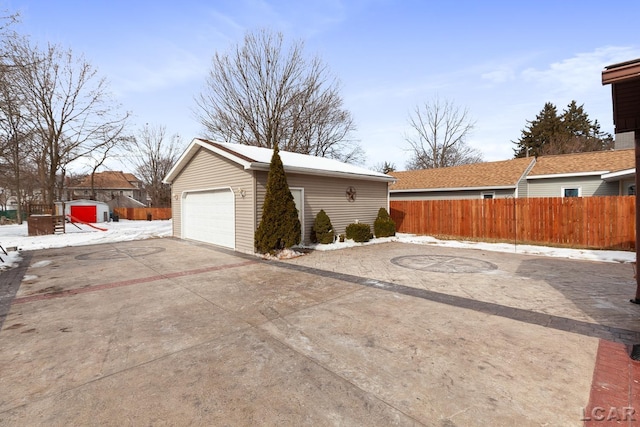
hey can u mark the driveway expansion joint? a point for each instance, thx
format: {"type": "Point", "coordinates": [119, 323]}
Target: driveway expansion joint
{"type": "Point", "coordinates": [564, 324]}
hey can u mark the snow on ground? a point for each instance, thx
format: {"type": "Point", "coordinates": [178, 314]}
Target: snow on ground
{"type": "Point", "coordinates": [584, 254]}
{"type": "Point", "coordinates": [16, 236]}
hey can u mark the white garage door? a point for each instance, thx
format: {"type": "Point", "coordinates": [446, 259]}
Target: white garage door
{"type": "Point", "coordinates": [208, 216]}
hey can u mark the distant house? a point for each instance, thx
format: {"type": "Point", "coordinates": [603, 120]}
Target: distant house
{"type": "Point", "coordinates": [107, 186]}
{"type": "Point", "coordinates": [597, 173]}
{"type": "Point", "coordinates": [475, 181]}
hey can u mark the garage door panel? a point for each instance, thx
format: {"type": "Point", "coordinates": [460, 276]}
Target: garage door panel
{"type": "Point", "coordinates": [84, 213]}
{"type": "Point", "coordinates": [209, 216]}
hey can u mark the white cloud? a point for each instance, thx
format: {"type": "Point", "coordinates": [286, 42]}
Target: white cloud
{"type": "Point", "coordinates": [580, 73]}
{"type": "Point", "coordinates": [171, 69]}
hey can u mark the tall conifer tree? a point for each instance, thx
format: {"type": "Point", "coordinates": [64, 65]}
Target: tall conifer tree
{"type": "Point", "coordinates": [569, 132]}
{"type": "Point", "coordinates": [279, 227]}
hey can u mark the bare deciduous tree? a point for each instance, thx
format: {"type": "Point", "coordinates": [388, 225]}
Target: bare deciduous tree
{"type": "Point", "coordinates": [264, 93]}
{"type": "Point", "coordinates": [15, 138]}
{"type": "Point", "coordinates": [68, 105]}
{"type": "Point", "coordinates": [439, 136]}
{"type": "Point", "coordinates": [100, 155]}
{"type": "Point", "coordinates": [384, 167]}
{"type": "Point", "coordinates": [15, 131]}
{"type": "Point", "coordinates": [153, 154]}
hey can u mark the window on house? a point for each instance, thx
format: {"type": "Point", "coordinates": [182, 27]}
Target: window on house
{"type": "Point", "coordinates": [488, 195]}
{"type": "Point", "coordinates": [631, 190]}
{"type": "Point", "coordinates": [571, 192]}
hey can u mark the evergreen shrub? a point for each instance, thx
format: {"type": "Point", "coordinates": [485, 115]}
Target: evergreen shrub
{"type": "Point", "coordinates": [384, 226]}
{"type": "Point", "coordinates": [358, 232]}
{"type": "Point", "coordinates": [322, 231]}
{"type": "Point", "coordinates": [279, 227]}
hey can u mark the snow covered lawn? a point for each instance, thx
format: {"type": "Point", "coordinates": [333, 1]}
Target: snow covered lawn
{"type": "Point", "coordinates": [17, 236]}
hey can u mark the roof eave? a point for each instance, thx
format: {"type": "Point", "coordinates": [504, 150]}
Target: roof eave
{"type": "Point", "coordinates": [321, 172]}
{"type": "Point", "coordinates": [618, 175]}
{"type": "Point", "coordinates": [620, 72]}
{"type": "Point", "coordinates": [429, 190]}
{"type": "Point", "coordinates": [567, 175]}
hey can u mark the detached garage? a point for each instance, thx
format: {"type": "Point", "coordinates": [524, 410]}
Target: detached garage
{"type": "Point", "coordinates": [218, 191]}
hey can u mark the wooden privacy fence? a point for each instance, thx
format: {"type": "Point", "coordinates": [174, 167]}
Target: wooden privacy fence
{"type": "Point", "coordinates": [586, 222]}
{"type": "Point", "coordinates": [143, 213]}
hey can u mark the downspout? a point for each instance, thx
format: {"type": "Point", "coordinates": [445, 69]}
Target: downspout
{"type": "Point", "coordinates": [636, 300]}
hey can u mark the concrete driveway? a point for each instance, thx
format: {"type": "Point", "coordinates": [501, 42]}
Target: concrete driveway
{"type": "Point", "coordinates": [168, 332]}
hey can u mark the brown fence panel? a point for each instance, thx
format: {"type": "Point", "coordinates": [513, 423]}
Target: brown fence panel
{"type": "Point", "coordinates": [141, 214]}
{"type": "Point", "coordinates": [587, 222]}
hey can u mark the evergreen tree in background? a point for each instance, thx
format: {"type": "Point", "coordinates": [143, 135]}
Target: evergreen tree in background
{"type": "Point", "coordinates": [279, 227]}
{"type": "Point", "coordinates": [571, 132]}
{"type": "Point", "coordinates": [539, 132]}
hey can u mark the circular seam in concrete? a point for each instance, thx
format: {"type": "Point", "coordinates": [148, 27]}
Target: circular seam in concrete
{"type": "Point", "coordinates": [443, 263]}
{"type": "Point", "coordinates": [120, 253]}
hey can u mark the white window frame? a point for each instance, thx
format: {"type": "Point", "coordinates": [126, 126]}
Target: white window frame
{"type": "Point", "coordinates": [571, 188]}
{"type": "Point", "coordinates": [488, 193]}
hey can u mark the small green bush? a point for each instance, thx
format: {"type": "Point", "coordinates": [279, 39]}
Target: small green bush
{"type": "Point", "coordinates": [384, 226]}
{"type": "Point", "coordinates": [358, 232]}
{"type": "Point", "coordinates": [322, 230]}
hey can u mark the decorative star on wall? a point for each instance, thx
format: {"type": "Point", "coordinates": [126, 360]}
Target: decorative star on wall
{"type": "Point", "coordinates": [351, 194]}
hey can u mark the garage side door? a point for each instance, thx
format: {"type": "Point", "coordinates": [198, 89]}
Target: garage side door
{"type": "Point", "coordinates": [209, 216]}
{"type": "Point", "coordinates": [84, 213]}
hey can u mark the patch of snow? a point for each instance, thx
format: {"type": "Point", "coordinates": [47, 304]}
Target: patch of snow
{"type": "Point", "coordinates": [17, 235]}
{"type": "Point", "coordinates": [29, 277]}
{"type": "Point", "coordinates": [582, 254]}
{"type": "Point", "coordinates": [42, 263]}
{"type": "Point", "coordinates": [294, 160]}
{"type": "Point", "coordinates": [283, 254]}
{"type": "Point", "coordinates": [12, 259]}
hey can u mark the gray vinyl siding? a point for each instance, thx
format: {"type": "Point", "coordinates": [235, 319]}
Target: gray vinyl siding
{"type": "Point", "coordinates": [207, 170]}
{"type": "Point", "coordinates": [523, 189]}
{"type": "Point", "coordinates": [590, 186]}
{"type": "Point", "coordinates": [329, 193]}
{"type": "Point", "coordinates": [450, 195]}
{"type": "Point", "coordinates": [624, 186]}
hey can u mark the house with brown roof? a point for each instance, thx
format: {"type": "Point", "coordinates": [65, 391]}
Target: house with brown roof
{"type": "Point", "coordinates": [595, 173]}
{"type": "Point", "coordinates": [108, 185]}
{"type": "Point", "coordinates": [486, 180]}
{"type": "Point", "coordinates": [598, 173]}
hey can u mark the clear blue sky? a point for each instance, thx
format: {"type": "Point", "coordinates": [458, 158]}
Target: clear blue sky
{"type": "Point", "coordinates": [501, 59]}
